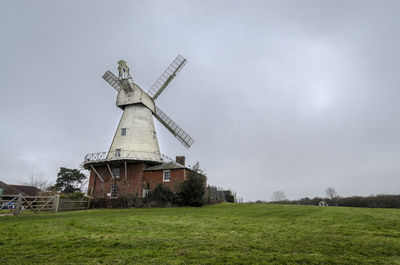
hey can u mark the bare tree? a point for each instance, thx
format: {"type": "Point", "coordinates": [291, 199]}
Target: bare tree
{"type": "Point", "coordinates": [331, 193]}
{"type": "Point", "coordinates": [278, 196]}
{"type": "Point", "coordinates": [196, 168]}
{"type": "Point", "coordinates": [37, 181]}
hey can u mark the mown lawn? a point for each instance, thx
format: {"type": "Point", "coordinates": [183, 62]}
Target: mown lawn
{"type": "Point", "coordinates": [219, 234]}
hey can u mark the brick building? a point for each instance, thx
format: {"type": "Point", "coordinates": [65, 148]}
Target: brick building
{"type": "Point", "coordinates": [168, 174]}
{"type": "Point", "coordinates": [120, 178]}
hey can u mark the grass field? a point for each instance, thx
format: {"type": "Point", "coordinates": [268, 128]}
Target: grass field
{"type": "Point", "coordinates": [218, 234]}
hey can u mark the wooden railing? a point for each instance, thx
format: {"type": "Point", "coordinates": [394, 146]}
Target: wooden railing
{"type": "Point", "coordinates": [125, 155]}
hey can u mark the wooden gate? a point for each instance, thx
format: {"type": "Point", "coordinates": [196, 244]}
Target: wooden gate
{"type": "Point", "coordinates": [17, 203]}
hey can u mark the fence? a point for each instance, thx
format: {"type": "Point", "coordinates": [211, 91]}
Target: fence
{"type": "Point", "coordinates": [67, 204]}
{"type": "Point", "coordinates": [18, 203]}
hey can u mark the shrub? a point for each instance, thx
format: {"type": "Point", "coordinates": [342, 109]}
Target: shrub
{"type": "Point", "coordinates": [75, 195]}
{"type": "Point", "coordinates": [192, 190]}
{"type": "Point", "coordinates": [160, 197]}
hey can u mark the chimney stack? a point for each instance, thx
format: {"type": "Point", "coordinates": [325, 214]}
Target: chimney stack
{"type": "Point", "coordinates": [180, 160]}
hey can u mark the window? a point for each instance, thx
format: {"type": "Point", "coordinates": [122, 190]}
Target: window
{"type": "Point", "coordinates": [115, 172]}
{"type": "Point", "coordinates": [123, 131]}
{"type": "Point", "coordinates": [166, 176]}
{"type": "Point", "coordinates": [117, 152]}
{"type": "Point", "coordinates": [114, 191]}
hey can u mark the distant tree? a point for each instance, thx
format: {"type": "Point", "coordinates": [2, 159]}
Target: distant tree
{"type": "Point", "coordinates": [278, 196]}
{"type": "Point", "coordinates": [229, 196]}
{"type": "Point", "coordinates": [69, 180]}
{"type": "Point", "coordinates": [331, 193]}
{"type": "Point", "coordinates": [37, 181]}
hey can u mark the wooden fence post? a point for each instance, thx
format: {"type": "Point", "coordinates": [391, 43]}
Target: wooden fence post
{"type": "Point", "coordinates": [56, 203]}
{"type": "Point", "coordinates": [88, 203]}
{"type": "Point", "coordinates": [17, 209]}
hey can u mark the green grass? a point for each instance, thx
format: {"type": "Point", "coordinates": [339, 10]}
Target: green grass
{"type": "Point", "coordinates": [219, 234]}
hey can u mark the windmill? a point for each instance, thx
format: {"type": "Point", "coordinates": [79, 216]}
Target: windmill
{"type": "Point", "coordinates": [136, 137]}
{"type": "Point", "coordinates": [135, 145]}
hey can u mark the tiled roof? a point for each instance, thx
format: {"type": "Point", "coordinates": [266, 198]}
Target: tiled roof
{"type": "Point", "coordinates": [165, 166]}
{"type": "Point", "coordinates": [8, 189]}
{"type": "Point", "coordinates": [28, 190]}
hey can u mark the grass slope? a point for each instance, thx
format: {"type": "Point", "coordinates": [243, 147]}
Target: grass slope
{"type": "Point", "coordinates": [219, 234]}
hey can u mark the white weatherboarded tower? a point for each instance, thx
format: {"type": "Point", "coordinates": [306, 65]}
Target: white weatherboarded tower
{"type": "Point", "coordinates": [136, 131]}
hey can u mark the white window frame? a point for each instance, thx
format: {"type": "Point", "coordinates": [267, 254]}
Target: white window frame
{"type": "Point", "coordinates": [119, 172]}
{"type": "Point", "coordinates": [169, 174]}
{"type": "Point", "coordinates": [118, 152]}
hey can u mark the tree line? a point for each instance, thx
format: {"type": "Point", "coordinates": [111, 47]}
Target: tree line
{"type": "Point", "coordinates": [332, 198]}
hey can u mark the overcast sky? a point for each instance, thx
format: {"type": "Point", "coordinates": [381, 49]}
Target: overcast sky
{"type": "Point", "coordinates": [279, 95]}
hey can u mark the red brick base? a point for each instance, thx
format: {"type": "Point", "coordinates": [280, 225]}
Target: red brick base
{"type": "Point", "coordinates": [134, 181]}
{"type": "Point", "coordinates": [129, 183]}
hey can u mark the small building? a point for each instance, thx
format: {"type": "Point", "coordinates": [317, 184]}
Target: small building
{"type": "Point", "coordinates": [323, 203]}
{"type": "Point", "coordinates": [169, 175]}
{"type": "Point", "coordinates": [28, 190]}
{"type": "Point", "coordinates": [8, 189]}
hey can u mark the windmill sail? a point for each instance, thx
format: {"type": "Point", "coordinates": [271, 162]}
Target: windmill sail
{"type": "Point", "coordinates": [166, 77]}
{"type": "Point", "coordinates": [177, 131]}
{"type": "Point", "coordinates": [112, 80]}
